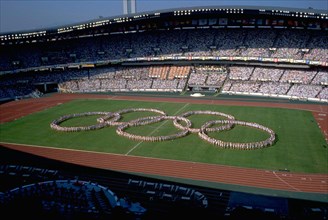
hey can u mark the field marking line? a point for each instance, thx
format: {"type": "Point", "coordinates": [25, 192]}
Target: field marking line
{"type": "Point", "coordinates": [135, 146]}
{"type": "Point", "coordinates": [56, 148]}
{"type": "Point", "coordinates": [274, 173]}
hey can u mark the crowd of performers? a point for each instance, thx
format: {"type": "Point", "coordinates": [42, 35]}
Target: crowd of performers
{"type": "Point", "coordinates": [112, 119]}
{"type": "Point", "coordinates": [235, 145]}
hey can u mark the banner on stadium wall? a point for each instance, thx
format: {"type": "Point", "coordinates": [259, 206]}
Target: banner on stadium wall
{"type": "Point", "coordinates": [267, 59]}
{"type": "Point", "coordinates": [101, 62]}
{"type": "Point", "coordinates": [114, 61]}
{"type": "Point", "coordinates": [212, 21]}
{"type": "Point", "coordinates": [194, 22]}
{"type": "Point", "coordinates": [253, 58]}
{"type": "Point", "coordinates": [299, 61]}
{"type": "Point", "coordinates": [58, 67]}
{"type": "Point", "coordinates": [238, 58]}
{"type": "Point", "coordinates": [313, 99]}
{"type": "Point", "coordinates": [202, 21]}
{"type": "Point", "coordinates": [281, 22]}
{"type": "Point", "coordinates": [223, 21]}
{"type": "Point", "coordinates": [314, 62]}
{"type": "Point", "coordinates": [259, 21]}
{"type": "Point", "coordinates": [285, 96]}
{"type": "Point", "coordinates": [87, 65]}
{"type": "Point", "coordinates": [132, 59]}
{"type": "Point", "coordinates": [283, 60]}
{"type": "Point", "coordinates": [314, 25]}
{"type": "Point", "coordinates": [73, 66]}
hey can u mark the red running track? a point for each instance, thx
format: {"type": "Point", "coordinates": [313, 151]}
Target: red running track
{"type": "Point", "coordinates": [297, 182]}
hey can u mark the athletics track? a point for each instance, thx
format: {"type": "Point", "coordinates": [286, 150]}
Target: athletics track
{"type": "Point", "coordinates": [276, 180]}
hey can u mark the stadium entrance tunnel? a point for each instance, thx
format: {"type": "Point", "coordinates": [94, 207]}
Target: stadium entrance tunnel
{"type": "Point", "coordinates": [47, 87]}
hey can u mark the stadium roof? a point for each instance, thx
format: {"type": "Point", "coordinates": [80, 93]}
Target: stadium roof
{"type": "Point", "coordinates": [307, 10]}
{"type": "Point", "coordinates": [310, 11]}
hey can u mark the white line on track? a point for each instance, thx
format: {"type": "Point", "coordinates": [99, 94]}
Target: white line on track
{"type": "Point", "coordinates": [135, 146]}
{"type": "Point", "coordinates": [286, 182]}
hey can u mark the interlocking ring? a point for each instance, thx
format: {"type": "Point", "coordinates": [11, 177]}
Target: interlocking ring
{"type": "Point", "coordinates": [196, 130]}
{"type": "Point", "coordinates": [115, 122]}
{"type": "Point", "coordinates": [112, 119]}
{"type": "Point", "coordinates": [121, 128]}
{"type": "Point", "coordinates": [251, 145]}
{"type": "Point", "coordinates": [55, 124]}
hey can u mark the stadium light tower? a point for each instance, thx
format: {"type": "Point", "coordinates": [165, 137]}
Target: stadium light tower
{"type": "Point", "coordinates": [129, 6]}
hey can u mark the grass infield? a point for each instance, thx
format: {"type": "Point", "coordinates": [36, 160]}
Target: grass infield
{"type": "Point", "coordinates": [300, 145]}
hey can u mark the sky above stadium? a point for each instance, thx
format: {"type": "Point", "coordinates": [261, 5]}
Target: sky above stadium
{"type": "Point", "coordinates": [22, 15]}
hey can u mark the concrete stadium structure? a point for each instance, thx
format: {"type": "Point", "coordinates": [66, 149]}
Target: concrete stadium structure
{"type": "Point", "coordinates": [221, 51]}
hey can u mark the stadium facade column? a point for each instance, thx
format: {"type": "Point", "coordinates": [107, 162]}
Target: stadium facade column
{"type": "Point", "coordinates": [129, 6]}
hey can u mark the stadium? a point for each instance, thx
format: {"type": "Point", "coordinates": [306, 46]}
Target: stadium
{"type": "Point", "coordinates": [212, 112]}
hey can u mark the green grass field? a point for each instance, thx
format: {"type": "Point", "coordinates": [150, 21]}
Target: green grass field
{"type": "Point", "coordinates": [300, 145]}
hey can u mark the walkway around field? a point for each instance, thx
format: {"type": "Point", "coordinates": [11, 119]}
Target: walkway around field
{"type": "Point", "coordinates": [277, 180]}
{"type": "Point", "coordinates": [295, 182]}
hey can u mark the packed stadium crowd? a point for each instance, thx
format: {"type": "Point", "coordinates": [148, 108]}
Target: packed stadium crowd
{"type": "Point", "coordinates": [291, 44]}
{"type": "Point", "coordinates": [300, 83]}
{"type": "Point", "coordinates": [261, 43]}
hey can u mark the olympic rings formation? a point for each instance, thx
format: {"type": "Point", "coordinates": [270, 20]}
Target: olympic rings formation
{"type": "Point", "coordinates": [112, 119]}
